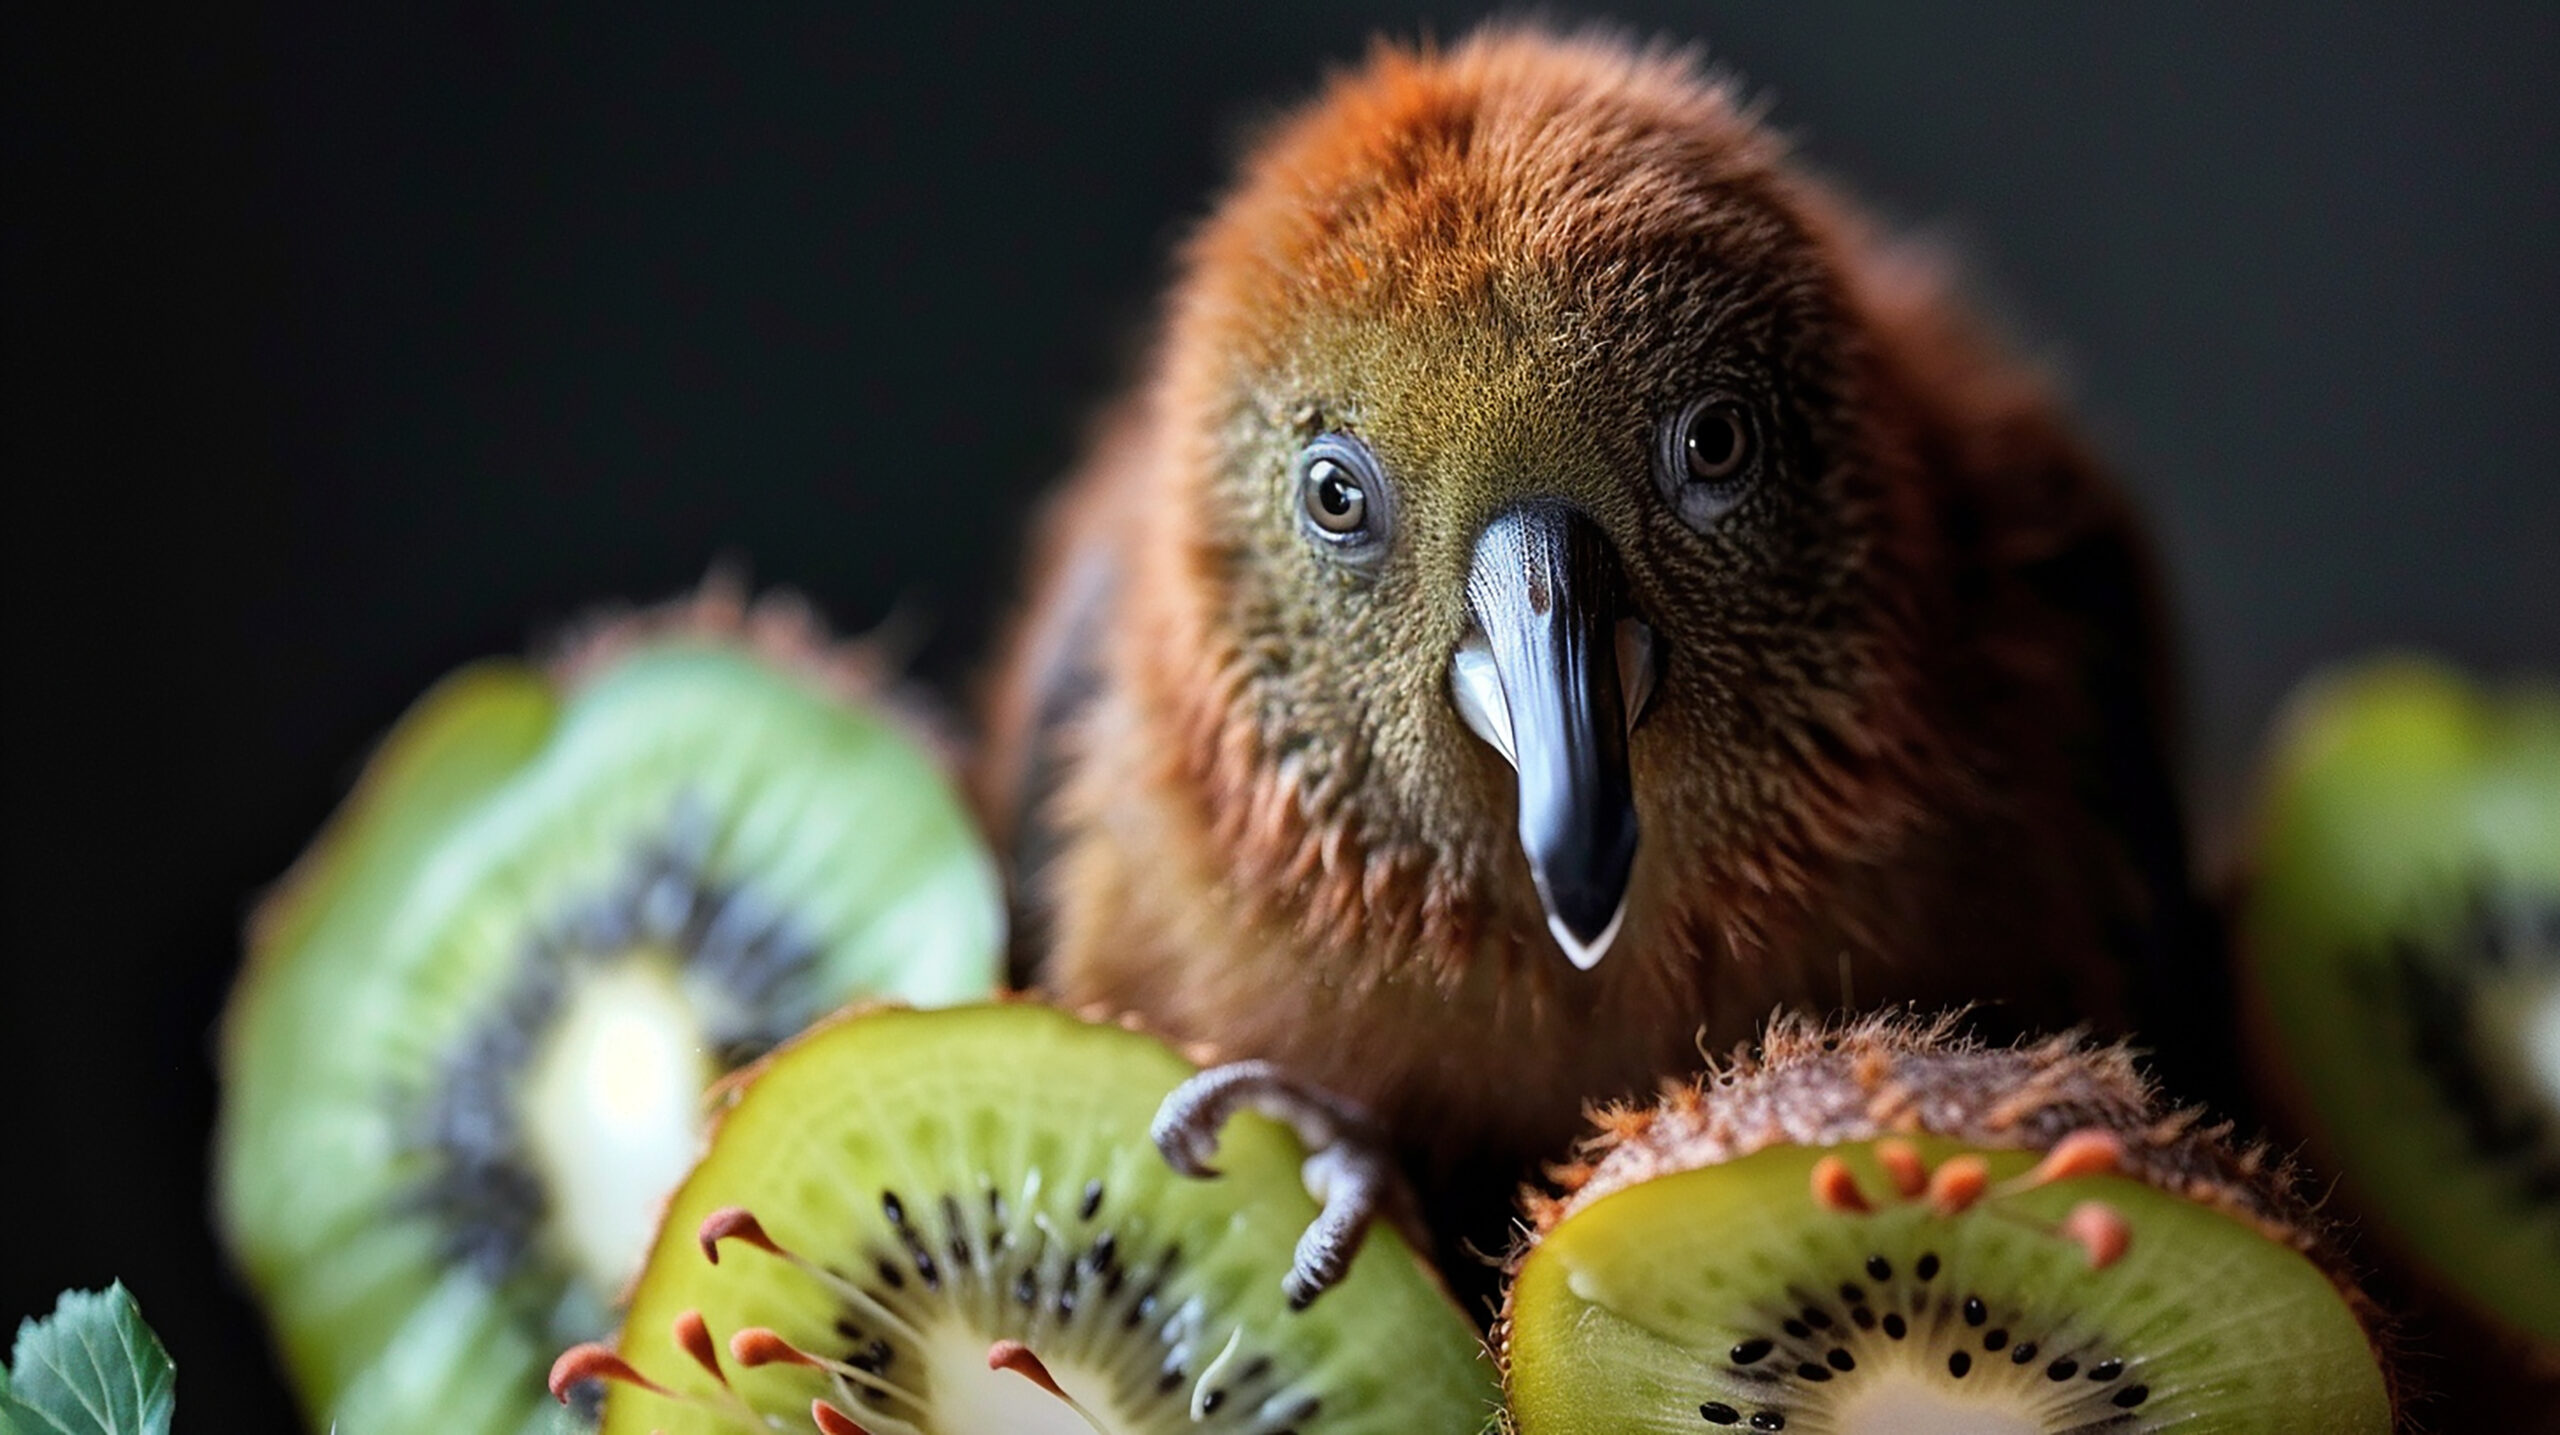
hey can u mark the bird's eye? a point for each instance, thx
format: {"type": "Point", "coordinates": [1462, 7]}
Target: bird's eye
{"type": "Point", "coordinates": [1707, 459]}
{"type": "Point", "coordinates": [1335, 502]}
{"type": "Point", "coordinates": [1341, 491]}
{"type": "Point", "coordinates": [1716, 443]}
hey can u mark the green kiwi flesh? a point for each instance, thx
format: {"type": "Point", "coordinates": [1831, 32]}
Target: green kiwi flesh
{"type": "Point", "coordinates": [932, 1183]}
{"type": "Point", "coordinates": [2400, 946]}
{"type": "Point", "coordinates": [467, 1054]}
{"type": "Point", "coordinates": [1727, 1297]}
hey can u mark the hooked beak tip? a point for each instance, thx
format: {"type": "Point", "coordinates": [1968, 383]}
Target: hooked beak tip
{"type": "Point", "coordinates": [1586, 955]}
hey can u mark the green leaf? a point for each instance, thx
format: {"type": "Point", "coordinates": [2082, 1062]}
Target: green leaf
{"type": "Point", "coordinates": [92, 1368]}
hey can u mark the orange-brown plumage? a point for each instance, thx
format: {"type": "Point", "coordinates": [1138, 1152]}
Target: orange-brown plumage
{"type": "Point", "coordinates": [1905, 743]}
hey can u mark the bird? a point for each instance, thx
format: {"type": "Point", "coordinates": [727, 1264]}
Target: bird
{"type": "Point", "coordinates": [1565, 584]}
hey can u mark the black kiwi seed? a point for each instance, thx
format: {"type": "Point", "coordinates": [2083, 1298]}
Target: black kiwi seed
{"type": "Point", "coordinates": [1210, 1349]}
{"type": "Point", "coordinates": [2437, 987]}
{"type": "Point", "coordinates": [490, 1203]}
{"type": "Point", "coordinates": [562, 899]}
{"type": "Point", "coordinates": [1918, 1267]}
{"type": "Point", "coordinates": [1809, 1343]}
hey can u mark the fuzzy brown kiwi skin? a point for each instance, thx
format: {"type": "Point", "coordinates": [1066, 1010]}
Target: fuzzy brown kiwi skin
{"type": "Point", "coordinates": [1814, 1083]}
{"type": "Point", "coordinates": [778, 626]}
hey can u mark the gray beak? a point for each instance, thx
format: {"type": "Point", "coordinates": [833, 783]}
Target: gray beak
{"type": "Point", "coordinates": [1553, 676]}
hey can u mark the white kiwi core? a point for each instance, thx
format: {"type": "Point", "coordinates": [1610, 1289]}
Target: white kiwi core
{"type": "Point", "coordinates": [613, 1111]}
{"type": "Point", "coordinates": [2517, 1016]}
{"type": "Point", "coordinates": [1899, 1403]}
{"type": "Point", "coordinates": [968, 1395]}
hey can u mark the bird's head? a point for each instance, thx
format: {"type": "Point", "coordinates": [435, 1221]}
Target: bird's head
{"type": "Point", "coordinates": [1540, 502]}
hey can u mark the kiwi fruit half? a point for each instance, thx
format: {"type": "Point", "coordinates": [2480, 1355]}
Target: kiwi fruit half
{"type": "Point", "coordinates": [953, 1222]}
{"type": "Point", "coordinates": [467, 1056]}
{"type": "Point", "coordinates": [2400, 952]}
{"type": "Point", "coordinates": [1879, 1229]}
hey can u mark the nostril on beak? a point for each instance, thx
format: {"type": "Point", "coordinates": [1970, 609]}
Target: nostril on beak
{"type": "Point", "coordinates": [1639, 660]}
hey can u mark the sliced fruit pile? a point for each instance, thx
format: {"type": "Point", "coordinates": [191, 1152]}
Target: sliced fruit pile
{"type": "Point", "coordinates": [468, 1055]}
{"type": "Point", "coordinates": [571, 910]}
{"type": "Point", "coordinates": [954, 1222]}
{"type": "Point", "coordinates": [2401, 948]}
{"type": "Point", "coordinates": [1878, 1230]}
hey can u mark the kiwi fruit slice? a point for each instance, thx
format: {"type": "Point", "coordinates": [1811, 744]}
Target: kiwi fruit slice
{"type": "Point", "coordinates": [1880, 1229]}
{"type": "Point", "coordinates": [467, 1055]}
{"type": "Point", "coordinates": [953, 1222]}
{"type": "Point", "coordinates": [2400, 956]}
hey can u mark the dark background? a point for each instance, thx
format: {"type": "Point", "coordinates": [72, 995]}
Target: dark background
{"type": "Point", "coordinates": [344, 346]}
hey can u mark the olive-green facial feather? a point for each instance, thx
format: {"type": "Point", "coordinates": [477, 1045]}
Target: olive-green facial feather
{"type": "Point", "coordinates": [1546, 385]}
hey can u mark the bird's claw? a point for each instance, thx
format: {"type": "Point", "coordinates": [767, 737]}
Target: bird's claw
{"type": "Point", "coordinates": [1349, 1171]}
{"type": "Point", "coordinates": [1188, 1152]}
{"type": "Point", "coordinates": [1352, 1178]}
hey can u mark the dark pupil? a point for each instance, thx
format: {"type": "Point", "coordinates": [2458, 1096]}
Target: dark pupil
{"type": "Point", "coordinates": [1336, 495]}
{"type": "Point", "coordinates": [1715, 441]}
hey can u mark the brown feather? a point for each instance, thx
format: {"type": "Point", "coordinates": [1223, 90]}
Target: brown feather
{"type": "Point", "coordinates": [1902, 737]}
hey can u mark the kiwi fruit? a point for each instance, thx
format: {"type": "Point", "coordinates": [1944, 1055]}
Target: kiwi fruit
{"type": "Point", "coordinates": [953, 1223]}
{"type": "Point", "coordinates": [2400, 959]}
{"type": "Point", "coordinates": [467, 1055]}
{"type": "Point", "coordinates": [1879, 1228]}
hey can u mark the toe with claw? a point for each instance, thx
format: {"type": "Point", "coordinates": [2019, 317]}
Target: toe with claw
{"type": "Point", "coordinates": [1350, 1171]}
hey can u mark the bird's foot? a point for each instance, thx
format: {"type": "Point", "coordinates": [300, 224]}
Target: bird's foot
{"type": "Point", "coordinates": [1350, 1172]}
